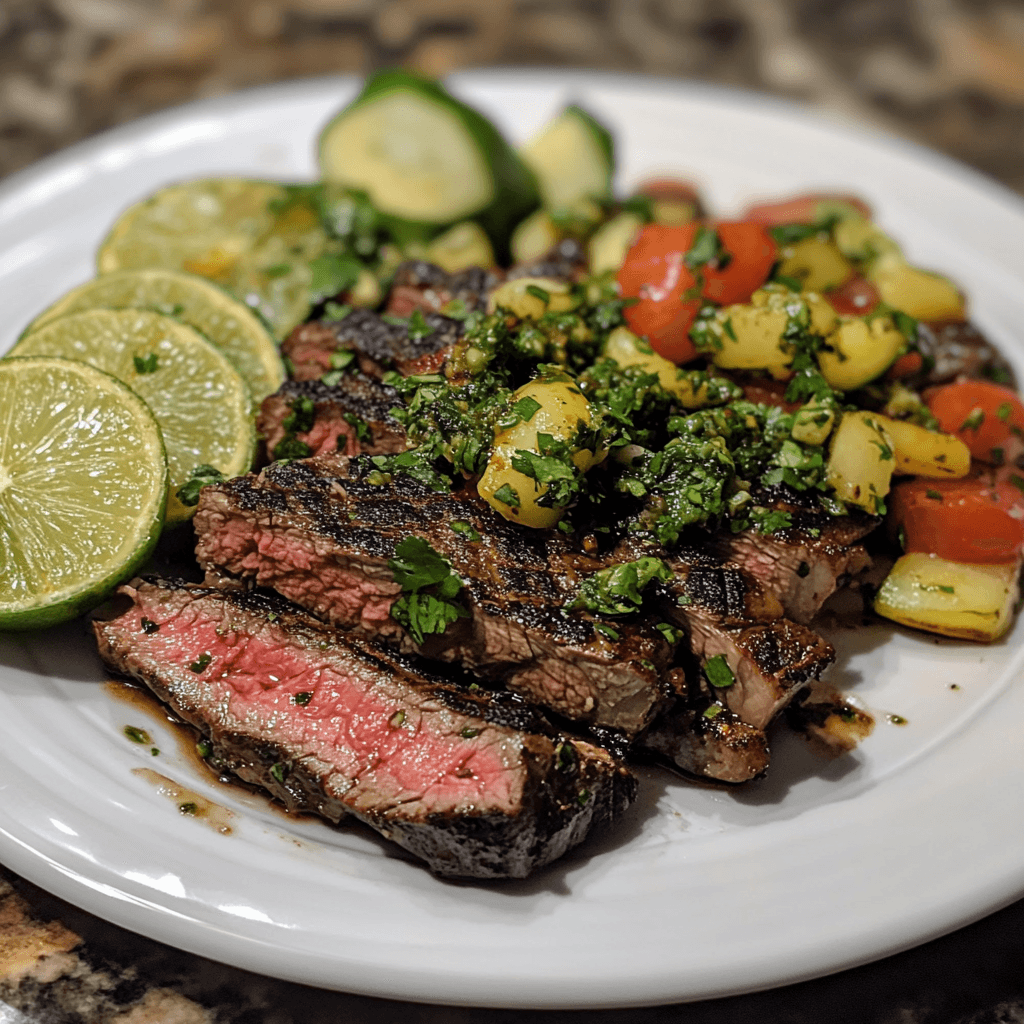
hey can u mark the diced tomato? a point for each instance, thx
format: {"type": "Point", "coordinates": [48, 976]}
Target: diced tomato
{"type": "Point", "coordinates": [655, 273]}
{"type": "Point", "coordinates": [751, 253]}
{"type": "Point", "coordinates": [857, 297]}
{"type": "Point", "coordinates": [974, 520]}
{"type": "Point", "coordinates": [801, 209]}
{"type": "Point", "coordinates": [669, 293]}
{"type": "Point", "coordinates": [985, 416]}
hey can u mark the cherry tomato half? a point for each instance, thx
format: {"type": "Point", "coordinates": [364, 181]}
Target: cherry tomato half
{"type": "Point", "coordinates": [982, 414]}
{"type": "Point", "coordinates": [971, 520]}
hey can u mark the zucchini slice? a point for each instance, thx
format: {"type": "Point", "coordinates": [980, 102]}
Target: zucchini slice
{"type": "Point", "coordinates": [424, 157]}
{"type": "Point", "coordinates": [573, 159]}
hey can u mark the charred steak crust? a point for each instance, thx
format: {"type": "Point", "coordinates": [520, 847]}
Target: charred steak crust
{"type": "Point", "coordinates": [337, 411]}
{"type": "Point", "coordinates": [317, 532]}
{"type": "Point", "coordinates": [425, 286]}
{"type": "Point", "coordinates": [378, 344]}
{"type": "Point", "coordinates": [804, 564]}
{"type": "Point", "coordinates": [476, 784]}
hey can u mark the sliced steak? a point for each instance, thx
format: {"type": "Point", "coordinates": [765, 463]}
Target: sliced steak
{"type": "Point", "coordinates": [424, 286]}
{"type": "Point", "coordinates": [804, 564]}
{"type": "Point", "coordinates": [566, 261]}
{"type": "Point", "coordinates": [959, 349]}
{"type": "Point", "coordinates": [723, 610]}
{"type": "Point", "coordinates": [351, 416]}
{"type": "Point", "coordinates": [476, 785]}
{"type": "Point", "coordinates": [378, 344]}
{"type": "Point", "coordinates": [717, 746]}
{"type": "Point", "coordinates": [319, 533]}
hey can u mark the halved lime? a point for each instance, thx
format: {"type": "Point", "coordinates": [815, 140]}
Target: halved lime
{"type": "Point", "coordinates": [256, 238]}
{"type": "Point", "coordinates": [199, 400]}
{"type": "Point", "coordinates": [228, 324]}
{"type": "Point", "coordinates": [83, 479]}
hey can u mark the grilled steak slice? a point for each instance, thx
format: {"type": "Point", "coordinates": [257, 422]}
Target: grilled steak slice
{"type": "Point", "coordinates": [379, 345]}
{"type": "Point", "coordinates": [424, 286]}
{"type": "Point", "coordinates": [476, 785]}
{"type": "Point", "coordinates": [351, 416]}
{"type": "Point", "coordinates": [804, 564]}
{"type": "Point", "coordinates": [718, 746]}
{"type": "Point", "coordinates": [321, 535]}
{"type": "Point", "coordinates": [724, 611]}
{"type": "Point", "coordinates": [959, 349]}
{"type": "Point", "coordinates": [566, 261]}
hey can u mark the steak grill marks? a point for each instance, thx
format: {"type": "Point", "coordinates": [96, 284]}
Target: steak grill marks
{"type": "Point", "coordinates": [476, 784]}
{"type": "Point", "coordinates": [321, 536]}
{"type": "Point", "coordinates": [337, 413]}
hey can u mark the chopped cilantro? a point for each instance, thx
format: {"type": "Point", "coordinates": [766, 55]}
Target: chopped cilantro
{"type": "Point", "coordinates": [507, 496]}
{"type": "Point", "coordinates": [137, 735]}
{"type": "Point", "coordinates": [148, 625]}
{"type": "Point", "coordinates": [336, 310]}
{"type": "Point", "coordinates": [464, 529]}
{"type": "Point", "coordinates": [302, 699]}
{"type": "Point", "coordinates": [278, 270]}
{"type": "Point", "coordinates": [728, 328]}
{"type": "Point", "coordinates": [200, 664]}
{"type": "Point", "coordinates": [145, 364]}
{"type": "Point", "coordinates": [974, 420]}
{"type": "Point", "coordinates": [525, 408]}
{"type": "Point", "coordinates": [429, 589]}
{"type": "Point", "coordinates": [606, 631]}
{"type": "Point", "coordinates": [397, 719]}
{"type": "Point", "coordinates": [934, 495]}
{"type": "Point", "coordinates": [469, 733]}
{"type": "Point", "coordinates": [538, 293]}
{"type": "Point", "coordinates": [1005, 411]}
{"type": "Point", "coordinates": [618, 590]}
{"type": "Point", "coordinates": [331, 274]}
{"type": "Point", "coordinates": [277, 771]}
{"type": "Point", "coordinates": [713, 711]}
{"type": "Point", "coordinates": [418, 326]}
{"type": "Point", "coordinates": [202, 476]}
{"type": "Point", "coordinates": [718, 673]}
{"type": "Point", "coordinates": [188, 807]}
{"type": "Point", "coordinates": [706, 247]}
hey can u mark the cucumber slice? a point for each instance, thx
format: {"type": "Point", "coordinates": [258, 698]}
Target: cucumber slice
{"type": "Point", "coordinates": [573, 159]}
{"type": "Point", "coordinates": [425, 158]}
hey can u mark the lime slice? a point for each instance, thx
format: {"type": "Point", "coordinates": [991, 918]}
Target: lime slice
{"type": "Point", "coordinates": [228, 324]}
{"type": "Point", "coordinates": [199, 400]}
{"type": "Point", "coordinates": [256, 238]}
{"type": "Point", "coordinates": [82, 484]}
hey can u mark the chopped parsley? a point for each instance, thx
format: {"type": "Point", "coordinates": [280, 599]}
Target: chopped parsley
{"type": "Point", "coordinates": [137, 735]}
{"type": "Point", "coordinates": [538, 293]}
{"type": "Point", "coordinates": [974, 420]}
{"type": "Point", "coordinates": [507, 496]}
{"type": "Point", "coordinates": [303, 698]}
{"type": "Point", "coordinates": [148, 625]}
{"type": "Point", "coordinates": [277, 771]}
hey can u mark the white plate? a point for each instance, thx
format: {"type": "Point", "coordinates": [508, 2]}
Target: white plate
{"type": "Point", "coordinates": [703, 892]}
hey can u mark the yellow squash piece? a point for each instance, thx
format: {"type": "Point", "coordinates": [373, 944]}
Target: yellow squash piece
{"type": "Point", "coordinates": [971, 602]}
{"type": "Point", "coordinates": [859, 350]}
{"type": "Point", "coordinates": [923, 295]}
{"type": "Point", "coordinates": [925, 452]}
{"type": "Point", "coordinates": [532, 297]}
{"type": "Point", "coordinates": [861, 461]}
{"type": "Point", "coordinates": [560, 408]}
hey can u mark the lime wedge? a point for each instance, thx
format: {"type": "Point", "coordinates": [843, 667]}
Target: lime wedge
{"type": "Point", "coordinates": [228, 324]}
{"type": "Point", "coordinates": [199, 400]}
{"type": "Point", "coordinates": [256, 238]}
{"type": "Point", "coordinates": [82, 485]}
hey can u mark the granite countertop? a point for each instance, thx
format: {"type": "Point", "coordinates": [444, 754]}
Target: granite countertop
{"type": "Point", "coordinates": [947, 73]}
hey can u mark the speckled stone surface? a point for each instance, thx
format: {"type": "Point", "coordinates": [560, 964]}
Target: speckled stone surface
{"type": "Point", "coordinates": [948, 73]}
